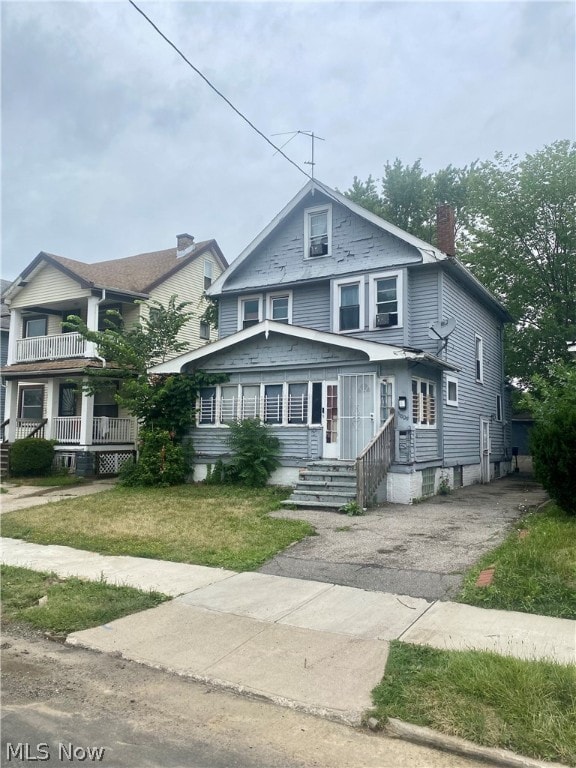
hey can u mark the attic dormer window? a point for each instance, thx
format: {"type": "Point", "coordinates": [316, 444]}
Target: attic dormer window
{"type": "Point", "coordinates": [318, 231]}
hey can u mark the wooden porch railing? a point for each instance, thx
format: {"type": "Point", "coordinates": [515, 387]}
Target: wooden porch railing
{"type": "Point", "coordinates": [3, 430]}
{"type": "Point", "coordinates": [374, 461]}
{"type": "Point", "coordinates": [29, 428]}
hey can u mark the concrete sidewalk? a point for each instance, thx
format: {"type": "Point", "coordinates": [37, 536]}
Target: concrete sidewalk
{"type": "Point", "coordinates": [304, 644]}
{"type": "Point", "coordinates": [19, 497]}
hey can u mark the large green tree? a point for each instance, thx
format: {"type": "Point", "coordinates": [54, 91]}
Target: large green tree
{"type": "Point", "coordinates": [516, 231]}
{"type": "Point", "coordinates": [523, 248]}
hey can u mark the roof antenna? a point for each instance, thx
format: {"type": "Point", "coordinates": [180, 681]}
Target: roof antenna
{"type": "Point", "coordinates": [312, 137]}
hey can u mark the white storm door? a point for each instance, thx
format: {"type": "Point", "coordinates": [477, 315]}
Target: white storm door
{"type": "Point", "coordinates": [358, 397]}
{"type": "Point", "coordinates": [485, 450]}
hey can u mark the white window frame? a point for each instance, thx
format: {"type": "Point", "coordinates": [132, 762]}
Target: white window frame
{"type": "Point", "coordinates": [307, 214]}
{"type": "Point", "coordinates": [499, 408]}
{"type": "Point", "coordinates": [336, 285]}
{"type": "Point", "coordinates": [286, 411]}
{"type": "Point", "coordinates": [279, 295]}
{"type": "Point", "coordinates": [208, 273]}
{"type": "Point", "coordinates": [478, 358]}
{"type": "Point", "coordinates": [418, 424]}
{"type": "Point", "coordinates": [452, 380]}
{"type": "Point", "coordinates": [241, 301]}
{"type": "Point", "coordinates": [372, 295]}
{"type": "Point", "coordinates": [204, 330]}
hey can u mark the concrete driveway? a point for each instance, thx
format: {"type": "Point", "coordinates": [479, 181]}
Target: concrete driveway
{"type": "Point", "coordinates": [421, 550]}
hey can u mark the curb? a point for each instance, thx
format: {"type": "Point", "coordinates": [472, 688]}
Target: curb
{"type": "Point", "coordinates": [345, 717]}
{"type": "Point", "coordinates": [419, 734]}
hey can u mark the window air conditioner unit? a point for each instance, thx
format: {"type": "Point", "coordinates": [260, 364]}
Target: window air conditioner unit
{"type": "Point", "coordinates": [382, 320]}
{"type": "Point", "coordinates": [318, 249]}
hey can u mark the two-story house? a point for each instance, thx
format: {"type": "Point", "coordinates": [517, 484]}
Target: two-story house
{"type": "Point", "coordinates": [375, 357]}
{"type": "Point", "coordinates": [46, 363]}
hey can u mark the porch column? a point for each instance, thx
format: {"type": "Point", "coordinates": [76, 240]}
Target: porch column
{"type": "Point", "coordinates": [86, 418]}
{"type": "Point", "coordinates": [92, 323]}
{"type": "Point", "coordinates": [51, 408]}
{"type": "Point", "coordinates": [14, 334]}
{"type": "Point", "coordinates": [11, 409]}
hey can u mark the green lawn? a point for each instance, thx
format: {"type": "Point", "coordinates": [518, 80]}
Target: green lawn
{"type": "Point", "coordinates": [72, 604]}
{"type": "Point", "coordinates": [46, 481]}
{"type": "Point", "coordinates": [225, 526]}
{"type": "Point", "coordinates": [528, 707]}
{"type": "Point", "coordinates": [535, 568]}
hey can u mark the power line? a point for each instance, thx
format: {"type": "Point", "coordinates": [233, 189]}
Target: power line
{"type": "Point", "coordinates": [198, 72]}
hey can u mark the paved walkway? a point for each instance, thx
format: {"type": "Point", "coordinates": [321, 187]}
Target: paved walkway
{"type": "Point", "coordinates": [305, 644]}
{"type": "Point", "coordinates": [18, 497]}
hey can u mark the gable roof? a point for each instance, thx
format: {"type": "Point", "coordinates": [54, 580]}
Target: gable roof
{"type": "Point", "coordinates": [133, 274]}
{"type": "Point", "coordinates": [428, 252]}
{"type": "Point", "coordinates": [373, 350]}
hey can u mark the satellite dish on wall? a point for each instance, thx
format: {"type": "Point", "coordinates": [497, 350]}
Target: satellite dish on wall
{"type": "Point", "coordinates": [442, 329]}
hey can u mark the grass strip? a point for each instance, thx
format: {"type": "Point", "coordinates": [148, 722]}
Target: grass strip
{"type": "Point", "coordinates": [72, 604]}
{"type": "Point", "coordinates": [47, 481]}
{"type": "Point", "coordinates": [224, 526]}
{"type": "Point", "coordinates": [528, 707]}
{"type": "Point", "coordinates": [535, 568]}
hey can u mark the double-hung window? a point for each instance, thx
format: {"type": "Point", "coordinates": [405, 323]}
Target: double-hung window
{"type": "Point", "coordinates": [317, 231]}
{"type": "Point", "coordinates": [207, 405]}
{"type": "Point", "coordinates": [386, 300]}
{"type": "Point", "coordinates": [273, 403]}
{"type": "Point", "coordinates": [250, 311]}
{"type": "Point", "coordinates": [297, 403]}
{"type": "Point", "coordinates": [32, 402]}
{"type": "Point", "coordinates": [280, 307]}
{"type": "Point", "coordinates": [423, 403]}
{"type": "Point", "coordinates": [498, 407]}
{"type": "Point", "coordinates": [348, 303]}
{"type": "Point", "coordinates": [208, 273]}
{"type": "Point", "coordinates": [451, 390]}
{"type": "Point", "coordinates": [479, 358]}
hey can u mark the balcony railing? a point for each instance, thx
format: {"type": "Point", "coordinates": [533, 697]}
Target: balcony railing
{"type": "Point", "coordinates": [66, 429]}
{"type": "Point", "coordinates": [50, 347]}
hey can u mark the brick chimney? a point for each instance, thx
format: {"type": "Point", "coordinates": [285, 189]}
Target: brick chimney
{"type": "Point", "coordinates": [184, 244]}
{"type": "Point", "coordinates": [445, 230]}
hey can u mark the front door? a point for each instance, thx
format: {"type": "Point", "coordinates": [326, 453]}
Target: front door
{"type": "Point", "coordinates": [330, 420]}
{"type": "Point", "coordinates": [485, 450]}
{"type": "Point", "coordinates": [358, 398]}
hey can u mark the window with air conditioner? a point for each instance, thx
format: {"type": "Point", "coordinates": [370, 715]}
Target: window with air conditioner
{"type": "Point", "coordinates": [385, 300]}
{"type": "Point", "coordinates": [317, 231]}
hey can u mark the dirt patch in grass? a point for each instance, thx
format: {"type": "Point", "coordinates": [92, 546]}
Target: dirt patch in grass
{"type": "Point", "coordinates": [207, 525]}
{"type": "Point", "coordinates": [68, 605]}
{"type": "Point", "coordinates": [525, 706]}
{"type": "Point", "coordinates": [534, 569]}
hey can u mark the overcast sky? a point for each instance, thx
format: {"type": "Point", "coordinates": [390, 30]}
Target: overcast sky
{"type": "Point", "coordinates": [112, 145]}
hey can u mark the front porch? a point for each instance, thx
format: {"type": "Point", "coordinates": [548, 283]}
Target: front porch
{"type": "Point", "coordinates": [67, 430]}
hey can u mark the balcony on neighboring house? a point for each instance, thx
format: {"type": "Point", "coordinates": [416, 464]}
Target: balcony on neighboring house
{"type": "Point", "coordinates": [54, 347]}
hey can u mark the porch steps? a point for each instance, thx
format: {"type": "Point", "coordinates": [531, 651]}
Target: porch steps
{"type": "Point", "coordinates": [4, 460]}
{"type": "Point", "coordinates": [324, 485]}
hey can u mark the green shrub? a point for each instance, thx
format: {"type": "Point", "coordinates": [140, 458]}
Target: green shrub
{"type": "Point", "coordinates": [553, 445]}
{"type": "Point", "coordinates": [255, 453]}
{"type": "Point", "coordinates": [553, 437]}
{"type": "Point", "coordinates": [161, 462]}
{"type": "Point", "coordinates": [32, 456]}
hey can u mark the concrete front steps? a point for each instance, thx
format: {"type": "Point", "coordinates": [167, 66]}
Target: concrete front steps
{"type": "Point", "coordinates": [324, 485]}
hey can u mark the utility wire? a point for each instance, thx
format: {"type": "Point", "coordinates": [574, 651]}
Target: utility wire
{"type": "Point", "coordinates": [198, 72]}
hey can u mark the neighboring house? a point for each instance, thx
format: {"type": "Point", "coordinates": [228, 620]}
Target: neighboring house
{"type": "Point", "coordinates": [4, 329]}
{"type": "Point", "coordinates": [341, 331]}
{"type": "Point", "coordinates": [45, 363]}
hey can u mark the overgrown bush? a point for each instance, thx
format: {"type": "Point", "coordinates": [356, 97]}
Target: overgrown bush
{"type": "Point", "coordinates": [32, 456]}
{"type": "Point", "coordinates": [255, 453]}
{"type": "Point", "coordinates": [553, 437]}
{"type": "Point", "coordinates": [160, 462]}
